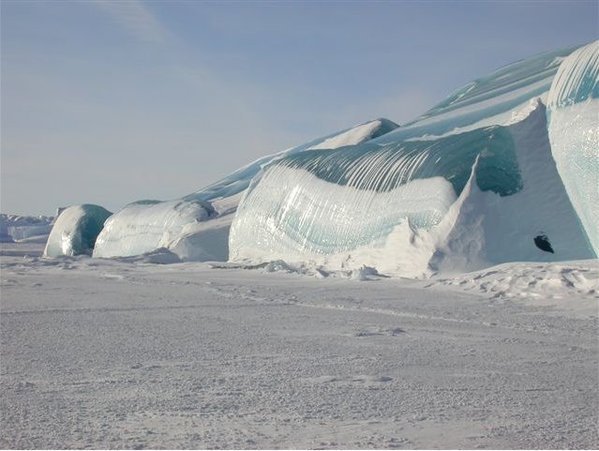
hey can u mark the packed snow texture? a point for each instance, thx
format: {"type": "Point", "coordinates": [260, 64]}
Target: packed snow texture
{"type": "Point", "coordinates": [75, 230]}
{"type": "Point", "coordinates": [197, 226]}
{"type": "Point", "coordinates": [121, 354]}
{"type": "Point", "coordinates": [573, 111]}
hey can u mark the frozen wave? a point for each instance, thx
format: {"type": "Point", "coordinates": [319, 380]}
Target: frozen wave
{"type": "Point", "coordinates": [196, 227]}
{"type": "Point", "coordinates": [457, 204]}
{"type": "Point", "coordinates": [471, 183]}
{"type": "Point", "coordinates": [573, 112]}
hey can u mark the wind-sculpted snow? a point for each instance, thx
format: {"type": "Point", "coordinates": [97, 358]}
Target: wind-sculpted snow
{"type": "Point", "coordinates": [573, 111]}
{"type": "Point", "coordinates": [75, 230]}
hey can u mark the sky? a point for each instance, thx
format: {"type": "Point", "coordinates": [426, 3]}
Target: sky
{"type": "Point", "coordinates": [109, 102]}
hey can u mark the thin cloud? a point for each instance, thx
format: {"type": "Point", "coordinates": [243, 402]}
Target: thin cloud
{"type": "Point", "coordinates": [136, 18]}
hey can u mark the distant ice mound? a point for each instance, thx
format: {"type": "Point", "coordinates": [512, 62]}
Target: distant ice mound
{"type": "Point", "coordinates": [573, 112]}
{"type": "Point", "coordinates": [75, 231]}
{"type": "Point", "coordinates": [196, 227]}
{"type": "Point", "coordinates": [24, 228]}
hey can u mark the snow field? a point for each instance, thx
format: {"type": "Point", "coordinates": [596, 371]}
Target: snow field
{"type": "Point", "coordinates": [128, 354]}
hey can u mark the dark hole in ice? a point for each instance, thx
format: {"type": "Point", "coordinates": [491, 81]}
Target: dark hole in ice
{"type": "Point", "coordinates": [542, 242]}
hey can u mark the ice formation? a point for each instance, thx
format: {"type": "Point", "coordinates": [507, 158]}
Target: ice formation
{"type": "Point", "coordinates": [573, 114]}
{"type": "Point", "coordinates": [505, 169]}
{"type": "Point", "coordinates": [470, 184]}
{"type": "Point", "coordinates": [145, 226]}
{"type": "Point", "coordinates": [196, 227]}
{"type": "Point", "coordinates": [75, 230]}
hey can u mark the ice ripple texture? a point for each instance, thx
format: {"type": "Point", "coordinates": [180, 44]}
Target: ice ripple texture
{"type": "Point", "coordinates": [573, 112]}
{"type": "Point", "coordinates": [332, 202]}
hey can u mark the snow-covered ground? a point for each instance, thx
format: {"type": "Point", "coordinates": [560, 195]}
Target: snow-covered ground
{"type": "Point", "coordinates": [128, 354]}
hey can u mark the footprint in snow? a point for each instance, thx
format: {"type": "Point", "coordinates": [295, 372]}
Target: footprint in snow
{"type": "Point", "coordinates": [373, 332]}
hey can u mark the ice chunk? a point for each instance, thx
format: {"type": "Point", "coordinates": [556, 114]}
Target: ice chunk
{"type": "Point", "coordinates": [573, 112]}
{"type": "Point", "coordinates": [145, 226]}
{"type": "Point", "coordinates": [75, 230]}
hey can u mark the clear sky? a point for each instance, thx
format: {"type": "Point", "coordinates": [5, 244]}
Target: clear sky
{"type": "Point", "coordinates": [111, 102]}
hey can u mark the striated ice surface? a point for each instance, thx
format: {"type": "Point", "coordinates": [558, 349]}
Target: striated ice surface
{"type": "Point", "coordinates": [458, 203]}
{"type": "Point", "coordinates": [239, 180]}
{"type": "Point", "coordinates": [196, 227]}
{"type": "Point", "coordinates": [504, 169]}
{"type": "Point", "coordinates": [490, 100]}
{"type": "Point", "coordinates": [75, 230]}
{"type": "Point", "coordinates": [573, 112]}
{"type": "Point", "coordinates": [145, 226]}
{"type": "Point", "coordinates": [469, 184]}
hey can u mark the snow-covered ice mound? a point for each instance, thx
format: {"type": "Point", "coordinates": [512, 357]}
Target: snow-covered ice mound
{"type": "Point", "coordinates": [75, 231]}
{"type": "Point", "coordinates": [541, 284]}
{"type": "Point", "coordinates": [145, 226]}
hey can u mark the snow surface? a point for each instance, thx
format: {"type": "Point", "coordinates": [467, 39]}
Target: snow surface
{"type": "Point", "coordinates": [122, 353]}
{"type": "Point", "coordinates": [352, 137]}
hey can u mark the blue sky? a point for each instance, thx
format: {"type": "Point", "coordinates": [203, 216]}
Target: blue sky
{"type": "Point", "coordinates": [111, 102]}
